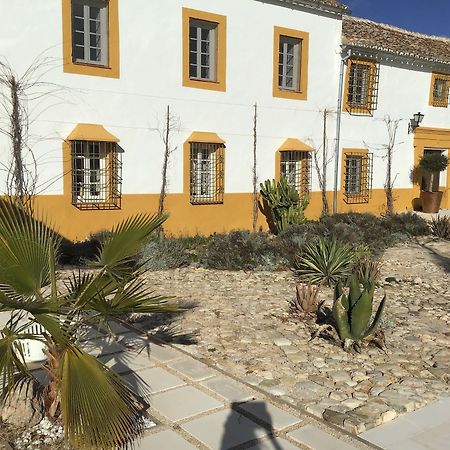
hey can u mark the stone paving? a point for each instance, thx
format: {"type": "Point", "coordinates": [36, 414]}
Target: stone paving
{"type": "Point", "coordinates": [198, 407]}
{"type": "Point", "coordinates": [240, 323]}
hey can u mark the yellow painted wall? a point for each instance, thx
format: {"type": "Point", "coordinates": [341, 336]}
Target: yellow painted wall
{"type": "Point", "coordinates": [186, 219]}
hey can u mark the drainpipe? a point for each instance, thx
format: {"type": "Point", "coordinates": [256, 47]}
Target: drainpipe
{"type": "Point", "coordinates": [338, 129]}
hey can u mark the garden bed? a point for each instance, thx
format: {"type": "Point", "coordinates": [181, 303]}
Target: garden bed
{"type": "Point", "coordinates": [240, 321]}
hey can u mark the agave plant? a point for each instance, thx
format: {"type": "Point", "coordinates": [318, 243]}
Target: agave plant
{"type": "Point", "coordinates": [306, 300]}
{"type": "Point", "coordinates": [282, 204]}
{"type": "Point", "coordinates": [352, 313]}
{"type": "Point", "coordinates": [440, 227]}
{"type": "Point", "coordinates": [326, 261]}
{"type": "Point", "coordinates": [96, 407]}
{"type": "Point", "coordinates": [368, 271]}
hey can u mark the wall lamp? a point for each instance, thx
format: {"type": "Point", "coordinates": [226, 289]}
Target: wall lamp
{"type": "Point", "coordinates": [415, 122]}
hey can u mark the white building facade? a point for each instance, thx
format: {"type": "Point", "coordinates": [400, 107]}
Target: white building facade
{"type": "Point", "coordinates": [108, 71]}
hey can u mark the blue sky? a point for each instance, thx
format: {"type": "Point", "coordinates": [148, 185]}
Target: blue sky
{"type": "Point", "coordinates": [424, 16]}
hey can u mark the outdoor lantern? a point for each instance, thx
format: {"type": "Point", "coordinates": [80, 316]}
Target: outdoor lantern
{"type": "Point", "coordinates": [415, 121]}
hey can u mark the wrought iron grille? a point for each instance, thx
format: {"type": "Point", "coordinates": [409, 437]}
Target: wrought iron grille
{"type": "Point", "coordinates": [362, 90]}
{"type": "Point", "coordinates": [296, 167]}
{"type": "Point", "coordinates": [441, 88]}
{"type": "Point", "coordinates": [207, 173]}
{"type": "Point", "coordinates": [358, 177]}
{"type": "Point", "coordinates": [96, 175]}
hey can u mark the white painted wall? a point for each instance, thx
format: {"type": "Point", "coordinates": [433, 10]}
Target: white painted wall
{"type": "Point", "coordinates": [151, 77]}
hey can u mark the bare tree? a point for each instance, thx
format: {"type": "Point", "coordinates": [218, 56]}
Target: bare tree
{"type": "Point", "coordinates": [171, 126]}
{"type": "Point", "coordinates": [18, 93]}
{"type": "Point", "coordinates": [392, 127]}
{"type": "Point", "coordinates": [321, 164]}
{"type": "Point", "coordinates": [254, 169]}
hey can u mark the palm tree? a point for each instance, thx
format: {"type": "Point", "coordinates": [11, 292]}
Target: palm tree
{"type": "Point", "coordinates": [96, 407]}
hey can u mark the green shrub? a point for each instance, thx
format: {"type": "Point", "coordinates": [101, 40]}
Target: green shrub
{"type": "Point", "coordinates": [240, 250]}
{"type": "Point", "coordinates": [433, 162]}
{"type": "Point", "coordinates": [327, 261]}
{"type": "Point", "coordinates": [440, 227]}
{"type": "Point", "coordinates": [406, 223]}
{"type": "Point", "coordinates": [164, 254]}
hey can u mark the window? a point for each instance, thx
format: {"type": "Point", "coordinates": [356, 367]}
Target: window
{"type": "Point", "coordinates": [204, 50]}
{"type": "Point", "coordinates": [91, 37]}
{"type": "Point", "coordinates": [357, 176]}
{"type": "Point", "coordinates": [296, 167]}
{"type": "Point", "coordinates": [290, 64]}
{"type": "Point", "coordinates": [361, 94]}
{"type": "Point", "coordinates": [90, 32]}
{"type": "Point", "coordinates": [440, 87]}
{"type": "Point", "coordinates": [206, 173]}
{"type": "Point", "coordinates": [96, 180]}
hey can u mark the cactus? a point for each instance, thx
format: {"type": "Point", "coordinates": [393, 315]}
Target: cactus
{"type": "Point", "coordinates": [283, 205]}
{"type": "Point", "coordinates": [352, 313]}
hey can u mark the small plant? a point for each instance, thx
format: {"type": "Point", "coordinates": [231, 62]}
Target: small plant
{"type": "Point", "coordinates": [306, 300]}
{"type": "Point", "coordinates": [368, 271]}
{"type": "Point", "coordinates": [282, 205]}
{"type": "Point", "coordinates": [326, 261]}
{"type": "Point", "coordinates": [440, 227]}
{"type": "Point", "coordinates": [352, 313]}
{"type": "Point", "coordinates": [161, 253]}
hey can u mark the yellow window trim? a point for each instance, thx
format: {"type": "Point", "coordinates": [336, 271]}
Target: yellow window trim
{"type": "Point", "coordinates": [91, 132]}
{"type": "Point", "coordinates": [205, 138]}
{"type": "Point", "coordinates": [221, 55]}
{"type": "Point", "coordinates": [302, 94]}
{"type": "Point", "coordinates": [293, 144]}
{"type": "Point", "coordinates": [433, 101]}
{"type": "Point", "coordinates": [69, 66]}
{"type": "Point", "coordinates": [373, 67]}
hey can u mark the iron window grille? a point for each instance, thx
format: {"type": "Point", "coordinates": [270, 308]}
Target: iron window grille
{"type": "Point", "coordinates": [202, 50]}
{"type": "Point", "coordinates": [296, 167]}
{"type": "Point", "coordinates": [96, 175]}
{"type": "Point", "coordinates": [289, 63]}
{"type": "Point", "coordinates": [90, 32]}
{"type": "Point", "coordinates": [207, 173]}
{"type": "Point", "coordinates": [362, 89]}
{"type": "Point", "coordinates": [441, 88]}
{"type": "Point", "coordinates": [358, 177]}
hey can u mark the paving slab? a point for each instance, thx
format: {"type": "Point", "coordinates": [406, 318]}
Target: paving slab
{"type": "Point", "coordinates": [273, 416]}
{"type": "Point", "coordinates": [126, 362]}
{"type": "Point", "coordinates": [183, 403]}
{"type": "Point", "coordinates": [274, 444]}
{"type": "Point", "coordinates": [316, 439]}
{"type": "Point", "coordinates": [228, 388]}
{"type": "Point", "coordinates": [102, 346]}
{"type": "Point", "coordinates": [165, 440]}
{"type": "Point", "coordinates": [224, 430]}
{"type": "Point", "coordinates": [428, 428]}
{"type": "Point", "coordinates": [194, 370]}
{"type": "Point", "coordinates": [157, 379]}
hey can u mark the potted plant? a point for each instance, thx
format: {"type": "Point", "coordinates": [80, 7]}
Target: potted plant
{"type": "Point", "coordinates": [432, 164]}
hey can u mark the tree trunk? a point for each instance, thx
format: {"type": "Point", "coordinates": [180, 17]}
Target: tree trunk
{"type": "Point", "coordinates": [52, 393]}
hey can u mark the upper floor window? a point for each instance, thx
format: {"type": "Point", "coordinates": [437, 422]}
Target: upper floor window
{"type": "Point", "coordinates": [90, 32]}
{"type": "Point", "coordinates": [290, 64]}
{"type": "Point", "coordinates": [206, 172]}
{"type": "Point", "coordinates": [91, 37]}
{"type": "Point", "coordinates": [361, 94]}
{"type": "Point", "coordinates": [440, 87]}
{"type": "Point", "coordinates": [357, 176]}
{"type": "Point", "coordinates": [204, 50]}
{"type": "Point", "coordinates": [296, 167]}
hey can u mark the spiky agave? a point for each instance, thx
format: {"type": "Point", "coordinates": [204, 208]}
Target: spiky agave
{"type": "Point", "coordinates": [352, 313]}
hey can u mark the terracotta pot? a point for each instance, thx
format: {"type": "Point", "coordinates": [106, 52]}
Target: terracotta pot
{"type": "Point", "coordinates": [431, 201]}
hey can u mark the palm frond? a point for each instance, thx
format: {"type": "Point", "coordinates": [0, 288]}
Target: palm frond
{"type": "Point", "coordinates": [25, 245]}
{"type": "Point", "coordinates": [124, 242]}
{"type": "Point", "coordinates": [98, 409]}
